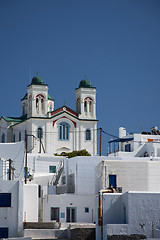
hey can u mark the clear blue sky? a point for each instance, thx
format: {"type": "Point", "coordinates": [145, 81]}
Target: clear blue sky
{"type": "Point", "coordinates": [116, 43]}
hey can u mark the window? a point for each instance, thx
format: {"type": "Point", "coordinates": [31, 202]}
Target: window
{"type": "Point", "coordinates": [3, 232]}
{"type": "Point", "coordinates": [19, 136]}
{"type": "Point", "coordinates": [90, 106]}
{"type": "Point", "coordinates": [30, 103]}
{"type": "Point", "coordinates": [5, 199]}
{"type": "Point", "coordinates": [39, 132]}
{"type": "Point", "coordinates": [88, 134]}
{"type": "Point", "coordinates": [86, 210]}
{"type": "Point", "coordinates": [55, 213]}
{"type": "Point", "coordinates": [42, 104]}
{"type": "Point", "coordinates": [52, 169]}
{"type": "Point", "coordinates": [128, 148]}
{"type": "Point", "coordinates": [50, 107]}
{"type": "Point", "coordinates": [85, 106]}
{"type": "Point", "coordinates": [37, 103]}
{"type": "Point", "coordinates": [64, 130]}
{"type": "Point", "coordinates": [3, 138]}
{"type": "Point", "coordinates": [113, 181]}
{"type": "Point", "coordinates": [63, 180]}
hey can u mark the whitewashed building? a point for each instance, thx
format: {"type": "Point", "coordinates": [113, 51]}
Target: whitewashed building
{"type": "Point", "coordinates": [13, 154]}
{"type": "Point", "coordinates": [51, 130]}
{"type": "Point", "coordinates": [11, 209]}
{"type": "Point", "coordinates": [73, 199]}
{"type": "Point", "coordinates": [129, 214]}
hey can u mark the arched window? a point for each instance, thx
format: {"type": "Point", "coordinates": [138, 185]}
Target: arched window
{"type": "Point", "coordinates": [37, 104]}
{"type": "Point", "coordinates": [90, 106]}
{"type": "Point", "coordinates": [3, 138]}
{"type": "Point", "coordinates": [64, 130]}
{"type": "Point", "coordinates": [42, 104]}
{"type": "Point", "coordinates": [88, 134]}
{"type": "Point", "coordinates": [85, 106]}
{"type": "Point", "coordinates": [30, 103]}
{"type": "Point", "coordinates": [40, 132]}
{"type": "Point", "coordinates": [50, 107]}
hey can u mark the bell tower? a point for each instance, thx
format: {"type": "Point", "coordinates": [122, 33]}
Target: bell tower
{"type": "Point", "coordinates": [86, 100]}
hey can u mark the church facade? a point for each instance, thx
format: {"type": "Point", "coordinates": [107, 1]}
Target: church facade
{"type": "Point", "coordinates": [51, 130]}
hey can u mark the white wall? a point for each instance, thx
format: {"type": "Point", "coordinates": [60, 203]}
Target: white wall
{"type": "Point", "coordinates": [12, 217]}
{"type": "Point", "coordinates": [70, 200]}
{"type": "Point", "coordinates": [83, 169]}
{"type": "Point", "coordinates": [30, 211]}
{"type": "Point", "coordinates": [135, 174]}
{"type": "Point", "coordinates": [142, 210]}
{"type": "Point", "coordinates": [15, 152]}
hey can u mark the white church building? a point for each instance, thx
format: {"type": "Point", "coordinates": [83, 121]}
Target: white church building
{"type": "Point", "coordinates": [51, 130]}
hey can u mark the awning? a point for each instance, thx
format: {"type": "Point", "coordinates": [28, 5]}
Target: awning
{"type": "Point", "coordinates": [121, 140]}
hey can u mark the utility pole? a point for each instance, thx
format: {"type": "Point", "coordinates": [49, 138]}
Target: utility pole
{"type": "Point", "coordinates": [100, 142]}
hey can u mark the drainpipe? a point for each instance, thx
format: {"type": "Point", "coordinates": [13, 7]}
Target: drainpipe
{"type": "Point", "coordinates": [100, 212]}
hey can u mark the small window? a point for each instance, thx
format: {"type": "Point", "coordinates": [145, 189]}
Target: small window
{"type": "Point", "coordinates": [63, 180]}
{"type": "Point", "coordinates": [3, 138]}
{"type": "Point", "coordinates": [40, 133]}
{"type": "Point", "coordinates": [52, 169]}
{"type": "Point", "coordinates": [90, 106]}
{"type": "Point", "coordinates": [54, 213]}
{"type": "Point", "coordinates": [19, 136]}
{"type": "Point", "coordinates": [5, 199]}
{"type": "Point", "coordinates": [113, 181]}
{"type": "Point", "coordinates": [128, 148]}
{"type": "Point", "coordinates": [88, 134]}
{"type": "Point", "coordinates": [50, 107]}
{"type": "Point", "coordinates": [85, 106]}
{"type": "Point", "coordinates": [86, 210]}
{"type": "Point", "coordinates": [14, 138]}
{"type": "Point", "coordinates": [42, 104]}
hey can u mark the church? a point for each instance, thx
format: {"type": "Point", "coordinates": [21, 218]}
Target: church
{"type": "Point", "coordinates": [53, 131]}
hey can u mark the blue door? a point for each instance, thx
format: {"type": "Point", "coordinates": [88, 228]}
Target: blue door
{"type": "Point", "coordinates": [113, 181]}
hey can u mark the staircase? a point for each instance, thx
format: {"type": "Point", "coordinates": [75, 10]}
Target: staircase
{"type": "Point", "coordinates": [59, 171]}
{"type": "Point", "coordinates": [44, 231]}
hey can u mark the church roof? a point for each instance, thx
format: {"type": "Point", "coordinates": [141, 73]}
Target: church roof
{"type": "Point", "coordinates": [64, 109]}
{"type": "Point", "coordinates": [85, 83]}
{"type": "Point", "coordinates": [50, 98]}
{"type": "Point", "coordinates": [14, 119]}
{"type": "Point", "coordinates": [37, 80]}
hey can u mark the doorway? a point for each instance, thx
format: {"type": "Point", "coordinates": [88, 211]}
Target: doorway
{"type": "Point", "coordinates": [71, 214]}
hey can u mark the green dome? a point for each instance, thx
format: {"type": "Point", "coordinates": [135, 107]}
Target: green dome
{"type": "Point", "coordinates": [85, 84]}
{"type": "Point", "coordinates": [37, 80]}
